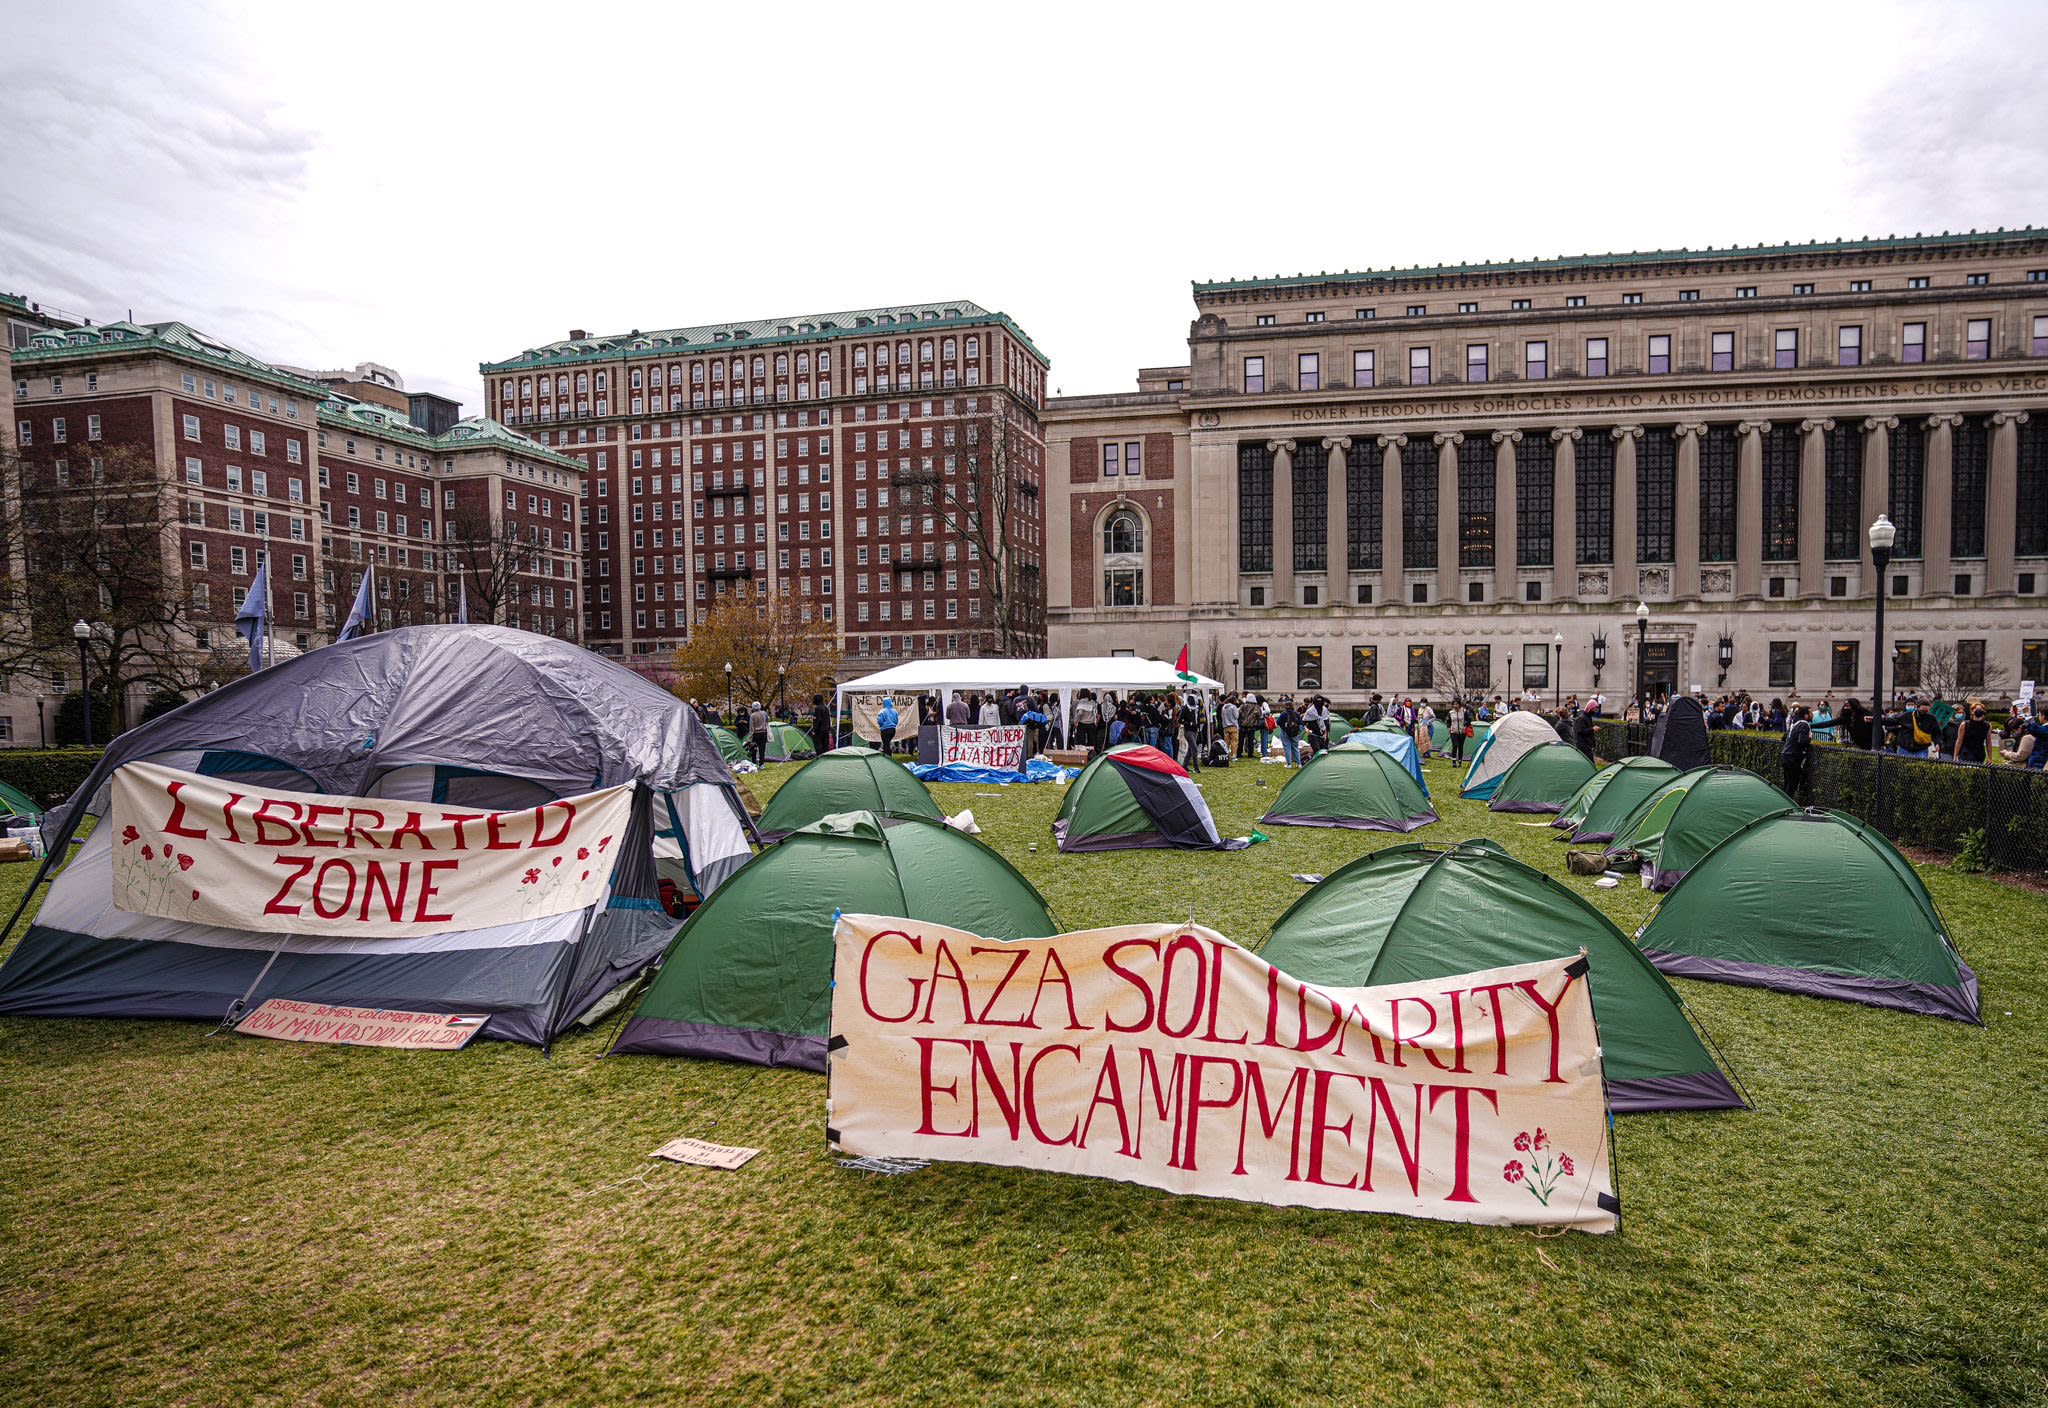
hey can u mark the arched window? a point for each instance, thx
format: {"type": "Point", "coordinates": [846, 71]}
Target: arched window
{"type": "Point", "coordinates": [1123, 562]}
{"type": "Point", "coordinates": [1123, 533]}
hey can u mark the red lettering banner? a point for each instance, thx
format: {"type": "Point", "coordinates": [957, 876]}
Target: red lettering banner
{"type": "Point", "coordinates": [209, 851]}
{"type": "Point", "coordinates": [999, 747]}
{"type": "Point", "coordinates": [1172, 1057]}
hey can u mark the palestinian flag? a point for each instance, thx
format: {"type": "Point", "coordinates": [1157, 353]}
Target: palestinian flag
{"type": "Point", "coordinates": [1136, 796]}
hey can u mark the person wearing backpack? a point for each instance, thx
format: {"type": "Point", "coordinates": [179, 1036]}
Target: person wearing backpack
{"type": "Point", "coordinates": [1290, 732]}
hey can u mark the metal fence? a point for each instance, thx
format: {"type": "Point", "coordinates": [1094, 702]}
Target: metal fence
{"type": "Point", "coordinates": [1936, 805]}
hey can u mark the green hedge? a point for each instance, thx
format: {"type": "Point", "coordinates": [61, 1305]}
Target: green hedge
{"type": "Point", "coordinates": [47, 774]}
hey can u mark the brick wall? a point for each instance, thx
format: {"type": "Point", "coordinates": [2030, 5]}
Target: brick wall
{"type": "Point", "coordinates": [1083, 522]}
{"type": "Point", "coordinates": [1083, 459]}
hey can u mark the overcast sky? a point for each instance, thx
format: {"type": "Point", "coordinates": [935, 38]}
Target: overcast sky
{"type": "Point", "coordinates": [430, 185]}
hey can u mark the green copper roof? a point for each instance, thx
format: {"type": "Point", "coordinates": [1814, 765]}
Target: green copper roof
{"type": "Point", "coordinates": [346, 413]}
{"type": "Point", "coordinates": [765, 332]}
{"type": "Point", "coordinates": [175, 339]}
{"type": "Point", "coordinates": [14, 302]}
{"type": "Point", "coordinates": [1945, 240]}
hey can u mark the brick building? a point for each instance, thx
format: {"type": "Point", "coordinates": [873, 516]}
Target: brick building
{"type": "Point", "coordinates": [259, 462]}
{"type": "Point", "coordinates": [814, 457]}
{"type": "Point", "coordinates": [1359, 477]}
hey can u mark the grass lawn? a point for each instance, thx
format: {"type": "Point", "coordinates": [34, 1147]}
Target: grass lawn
{"type": "Point", "coordinates": [194, 1221]}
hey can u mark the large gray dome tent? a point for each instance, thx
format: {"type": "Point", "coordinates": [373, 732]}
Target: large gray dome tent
{"type": "Point", "coordinates": [467, 715]}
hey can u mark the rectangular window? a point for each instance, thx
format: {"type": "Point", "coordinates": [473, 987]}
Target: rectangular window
{"type": "Point", "coordinates": [1976, 280]}
{"type": "Point", "coordinates": [1977, 345]}
{"type": "Point", "coordinates": [1908, 486]}
{"type": "Point", "coordinates": [1631, 298]}
{"type": "Point", "coordinates": [1365, 667]}
{"type": "Point", "coordinates": [1783, 663]}
{"type": "Point", "coordinates": [1688, 295]}
{"type": "Point", "coordinates": [1536, 666]}
{"type": "Point", "coordinates": [1843, 463]}
{"type": "Point", "coordinates": [1849, 346]}
{"type": "Point", "coordinates": [1913, 342]}
{"type": "Point", "coordinates": [1970, 458]}
{"type": "Point", "coordinates": [1859, 285]}
{"type": "Point", "coordinates": [1917, 281]}
{"type": "Point", "coordinates": [1781, 493]}
{"type": "Point", "coordinates": [1418, 366]}
{"type": "Point", "coordinates": [1596, 356]}
{"type": "Point", "coordinates": [2030, 525]}
{"type": "Point", "coordinates": [1475, 361]}
{"type": "Point", "coordinates": [1468, 307]}
{"type": "Point", "coordinates": [1535, 499]}
{"type": "Point", "coordinates": [1969, 664]}
{"type": "Point", "coordinates": [1364, 474]}
{"type": "Point", "coordinates": [1112, 463]}
{"type": "Point", "coordinates": [1656, 494]}
{"type": "Point", "coordinates": [1536, 360]}
{"type": "Point", "coordinates": [1418, 504]}
{"type": "Point", "coordinates": [1723, 352]}
{"type": "Point", "coordinates": [1362, 373]}
{"type": "Point", "coordinates": [1255, 374]}
{"type": "Point", "coordinates": [1594, 455]}
{"type": "Point", "coordinates": [1906, 664]}
{"type": "Point", "coordinates": [1254, 507]}
{"type": "Point", "coordinates": [1421, 666]}
{"type": "Point", "coordinates": [1479, 667]}
{"type": "Point", "coordinates": [1255, 667]}
{"type": "Point", "coordinates": [1575, 300]}
{"type": "Point", "coordinates": [1717, 494]}
{"type": "Point", "coordinates": [2034, 660]}
{"type": "Point", "coordinates": [1786, 355]}
{"type": "Point", "coordinates": [1748, 291]}
{"type": "Point", "coordinates": [1842, 672]}
{"type": "Point", "coordinates": [2041, 334]}
{"type": "Point", "coordinates": [1418, 310]}
{"type": "Point", "coordinates": [1308, 371]}
{"type": "Point", "coordinates": [1308, 667]}
{"type": "Point", "coordinates": [1660, 354]}
{"type": "Point", "coordinates": [1311, 506]}
{"type": "Point", "coordinates": [1475, 501]}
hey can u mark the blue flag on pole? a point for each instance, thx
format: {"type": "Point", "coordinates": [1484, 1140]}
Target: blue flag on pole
{"type": "Point", "coordinates": [359, 614]}
{"type": "Point", "coordinates": [252, 622]}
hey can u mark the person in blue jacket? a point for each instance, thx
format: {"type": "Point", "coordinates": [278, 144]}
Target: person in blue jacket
{"type": "Point", "coordinates": [886, 722]}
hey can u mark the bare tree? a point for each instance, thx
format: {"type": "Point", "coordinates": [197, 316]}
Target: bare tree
{"type": "Point", "coordinates": [1464, 677]}
{"type": "Point", "coordinates": [1942, 674]}
{"type": "Point", "coordinates": [99, 541]}
{"type": "Point", "coordinates": [492, 557]}
{"type": "Point", "coordinates": [977, 489]}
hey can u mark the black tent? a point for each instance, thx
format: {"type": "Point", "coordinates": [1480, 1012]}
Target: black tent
{"type": "Point", "coordinates": [1680, 737]}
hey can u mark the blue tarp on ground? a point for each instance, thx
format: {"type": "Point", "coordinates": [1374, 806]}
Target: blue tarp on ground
{"type": "Point", "coordinates": [1035, 770]}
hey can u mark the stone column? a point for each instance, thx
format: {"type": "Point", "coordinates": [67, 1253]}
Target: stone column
{"type": "Point", "coordinates": [1877, 491]}
{"type": "Point", "coordinates": [2001, 509]}
{"type": "Point", "coordinates": [1564, 537]}
{"type": "Point", "coordinates": [1749, 509]}
{"type": "Point", "coordinates": [1506, 517]}
{"type": "Point", "coordinates": [1337, 541]}
{"type": "Point", "coordinates": [1391, 592]}
{"type": "Point", "coordinates": [1447, 572]}
{"type": "Point", "coordinates": [1628, 581]}
{"type": "Point", "coordinates": [1936, 573]}
{"type": "Point", "coordinates": [1813, 506]}
{"type": "Point", "coordinates": [1685, 521]}
{"type": "Point", "coordinates": [1283, 521]}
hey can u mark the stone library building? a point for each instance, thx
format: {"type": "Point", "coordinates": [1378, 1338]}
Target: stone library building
{"type": "Point", "coordinates": [1392, 480]}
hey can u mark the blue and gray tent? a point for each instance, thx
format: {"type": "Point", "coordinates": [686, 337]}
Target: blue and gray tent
{"type": "Point", "coordinates": [481, 716]}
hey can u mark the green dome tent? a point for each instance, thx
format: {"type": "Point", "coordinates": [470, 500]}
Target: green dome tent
{"type": "Point", "coordinates": [787, 742]}
{"type": "Point", "coordinates": [749, 977]}
{"type": "Point", "coordinates": [851, 779]}
{"type": "Point", "coordinates": [18, 803]}
{"type": "Point", "coordinates": [1385, 725]}
{"type": "Point", "coordinates": [1597, 810]}
{"type": "Point", "coordinates": [1542, 779]}
{"type": "Point", "coordinates": [1360, 789]}
{"type": "Point", "coordinates": [1414, 912]}
{"type": "Point", "coordinates": [1815, 903]}
{"type": "Point", "coordinates": [1135, 796]}
{"type": "Point", "coordinates": [730, 747]}
{"type": "Point", "coordinates": [1672, 828]}
{"type": "Point", "coordinates": [1340, 729]}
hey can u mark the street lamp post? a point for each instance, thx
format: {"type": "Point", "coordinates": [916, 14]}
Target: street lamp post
{"type": "Point", "coordinates": [728, 691]}
{"type": "Point", "coordinates": [82, 633]}
{"type": "Point", "coordinates": [1557, 675]}
{"type": "Point", "coordinates": [1642, 661]}
{"type": "Point", "coordinates": [782, 687]}
{"type": "Point", "coordinates": [1882, 535]}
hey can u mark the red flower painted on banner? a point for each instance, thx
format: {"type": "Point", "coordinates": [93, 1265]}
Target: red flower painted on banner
{"type": "Point", "coordinates": [148, 853]}
{"type": "Point", "coordinates": [168, 852]}
{"type": "Point", "coordinates": [532, 877]}
{"type": "Point", "coordinates": [556, 861]}
{"type": "Point", "coordinates": [129, 835]}
{"type": "Point", "coordinates": [584, 876]}
{"type": "Point", "coordinates": [606, 841]}
{"type": "Point", "coordinates": [195, 894]}
{"type": "Point", "coordinates": [583, 853]}
{"type": "Point", "coordinates": [185, 862]}
{"type": "Point", "coordinates": [1540, 1176]}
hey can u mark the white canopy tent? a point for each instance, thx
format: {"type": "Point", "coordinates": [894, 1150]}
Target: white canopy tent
{"type": "Point", "coordinates": [1122, 673]}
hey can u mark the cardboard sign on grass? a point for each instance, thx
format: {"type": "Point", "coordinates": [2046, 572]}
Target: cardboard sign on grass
{"type": "Point", "coordinates": [227, 854]}
{"type": "Point", "coordinates": [283, 1019]}
{"type": "Point", "coordinates": [1170, 1056]}
{"type": "Point", "coordinates": [999, 747]}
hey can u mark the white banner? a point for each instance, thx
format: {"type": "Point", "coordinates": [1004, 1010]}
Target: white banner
{"type": "Point", "coordinates": [1172, 1057]}
{"type": "Point", "coordinates": [208, 851]}
{"type": "Point", "coordinates": [998, 747]}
